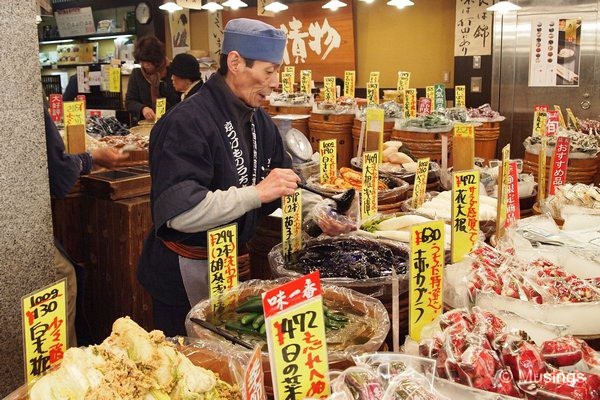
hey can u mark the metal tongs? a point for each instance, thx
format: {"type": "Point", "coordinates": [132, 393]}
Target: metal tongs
{"type": "Point", "coordinates": [221, 332]}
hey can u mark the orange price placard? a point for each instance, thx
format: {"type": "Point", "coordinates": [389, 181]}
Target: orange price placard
{"type": "Point", "coordinates": [465, 213]}
{"type": "Point", "coordinates": [291, 223]}
{"type": "Point", "coordinates": [222, 265]}
{"type": "Point", "coordinates": [44, 315]}
{"type": "Point", "coordinates": [328, 160]}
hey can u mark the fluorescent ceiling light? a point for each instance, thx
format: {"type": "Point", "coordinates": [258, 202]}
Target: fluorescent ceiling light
{"type": "Point", "coordinates": [212, 6]}
{"type": "Point", "coordinates": [111, 37]}
{"type": "Point", "coordinates": [400, 4]}
{"type": "Point", "coordinates": [334, 4]}
{"type": "Point", "coordinates": [276, 7]}
{"type": "Point", "coordinates": [170, 6]}
{"type": "Point", "coordinates": [235, 4]}
{"type": "Point", "coordinates": [503, 7]}
{"type": "Point", "coordinates": [367, 1]}
{"type": "Point", "coordinates": [56, 41]}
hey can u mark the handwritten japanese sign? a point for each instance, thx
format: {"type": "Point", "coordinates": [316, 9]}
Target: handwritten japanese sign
{"type": "Point", "coordinates": [349, 83]}
{"type": "Point", "coordinates": [296, 339]}
{"type": "Point", "coordinates": [328, 160]}
{"type": "Point", "coordinates": [539, 121]}
{"type": "Point", "coordinates": [292, 70]}
{"type": "Point", "coordinates": [44, 328]}
{"type": "Point", "coordinates": [473, 28]}
{"type": "Point", "coordinates": [410, 103]}
{"type": "Point", "coordinates": [161, 107]}
{"type": "Point", "coordinates": [287, 82]}
{"type": "Point", "coordinates": [75, 21]}
{"type": "Point", "coordinates": [329, 89]}
{"type": "Point", "coordinates": [426, 267]}
{"type": "Point", "coordinates": [561, 118]}
{"type": "Point", "coordinates": [542, 169]}
{"type": "Point", "coordinates": [81, 97]}
{"type": "Point", "coordinates": [374, 77]}
{"type": "Point", "coordinates": [420, 185]}
{"type": "Point", "coordinates": [460, 97]}
{"type": "Point", "coordinates": [254, 380]}
{"type": "Point", "coordinates": [464, 130]}
{"type": "Point", "coordinates": [74, 113]}
{"type": "Point", "coordinates": [403, 81]}
{"type": "Point", "coordinates": [222, 264]}
{"type": "Point", "coordinates": [305, 81]}
{"type": "Point", "coordinates": [552, 122]}
{"type": "Point", "coordinates": [560, 160]}
{"type": "Point", "coordinates": [430, 93]}
{"type": "Point", "coordinates": [372, 93]}
{"type": "Point", "coordinates": [440, 96]}
{"type": "Point", "coordinates": [465, 213]}
{"type": "Point", "coordinates": [370, 180]}
{"type": "Point", "coordinates": [425, 106]}
{"type": "Point", "coordinates": [513, 209]}
{"type": "Point", "coordinates": [291, 223]}
{"type": "Point", "coordinates": [114, 82]}
{"type": "Point", "coordinates": [56, 107]}
{"type": "Point", "coordinates": [503, 192]}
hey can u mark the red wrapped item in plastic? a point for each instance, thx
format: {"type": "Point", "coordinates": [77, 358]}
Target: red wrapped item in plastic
{"type": "Point", "coordinates": [569, 385]}
{"type": "Point", "coordinates": [486, 323]}
{"type": "Point", "coordinates": [522, 357]}
{"type": "Point", "coordinates": [562, 352]}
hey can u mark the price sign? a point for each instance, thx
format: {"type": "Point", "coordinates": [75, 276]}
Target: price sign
{"type": "Point", "coordinates": [287, 82]}
{"type": "Point", "coordinates": [161, 107]}
{"type": "Point", "coordinates": [560, 160]}
{"type": "Point", "coordinates": [349, 83]}
{"type": "Point", "coordinates": [560, 116]}
{"type": "Point", "coordinates": [440, 96]}
{"type": "Point", "coordinates": [74, 118]}
{"type": "Point", "coordinates": [513, 209]}
{"type": "Point", "coordinates": [410, 103]}
{"type": "Point", "coordinates": [114, 79]}
{"type": "Point", "coordinates": [56, 107]}
{"type": "Point", "coordinates": [430, 93]}
{"type": "Point", "coordinates": [420, 185]}
{"type": "Point", "coordinates": [81, 97]}
{"type": "Point", "coordinates": [542, 169]}
{"type": "Point", "coordinates": [465, 213]}
{"type": "Point", "coordinates": [292, 70]}
{"type": "Point", "coordinates": [44, 328]}
{"type": "Point", "coordinates": [222, 265]}
{"type": "Point", "coordinates": [539, 123]}
{"type": "Point", "coordinates": [572, 120]}
{"type": "Point", "coordinates": [503, 192]}
{"type": "Point", "coordinates": [425, 106]}
{"type": "Point", "coordinates": [372, 94]}
{"type": "Point", "coordinates": [426, 266]}
{"type": "Point", "coordinates": [460, 96]}
{"type": "Point", "coordinates": [328, 160]}
{"type": "Point", "coordinates": [403, 81]}
{"type": "Point", "coordinates": [374, 77]}
{"type": "Point", "coordinates": [552, 122]}
{"type": "Point", "coordinates": [291, 224]}
{"type": "Point", "coordinates": [296, 339]}
{"type": "Point", "coordinates": [370, 180]}
{"type": "Point", "coordinates": [254, 380]}
{"type": "Point", "coordinates": [305, 81]}
{"type": "Point", "coordinates": [374, 127]}
{"type": "Point", "coordinates": [74, 112]}
{"type": "Point", "coordinates": [329, 91]}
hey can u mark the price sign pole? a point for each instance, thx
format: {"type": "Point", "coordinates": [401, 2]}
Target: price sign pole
{"type": "Point", "coordinates": [463, 154]}
{"type": "Point", "coordinates": [222, 265]}
{"type": "Point", "coordinates": [74, 114]}
{"type": "Point", "coordinates": [291, 224]}
{"type": "Point", "coordinates": [370, 179]}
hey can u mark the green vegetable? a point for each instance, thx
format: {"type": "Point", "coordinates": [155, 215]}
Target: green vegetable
{"type": "Point", "coordinates": [253, 306]}
{"type": "Point", "coordinates": [237, 326]}
{"type": "Point", "coordinates": [249, 318]}
{"type": "Point", "coordinates": [263, 329]}
{"type": "Point", "coordinates": [258, 321]}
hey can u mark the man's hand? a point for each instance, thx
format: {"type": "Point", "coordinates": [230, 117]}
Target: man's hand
{"type": "Point", "coordinates": [148, 114]}
{"type": "Point", "coordinates": [108, 156]}
{"type": "Point", "coordinates": [279, 182]}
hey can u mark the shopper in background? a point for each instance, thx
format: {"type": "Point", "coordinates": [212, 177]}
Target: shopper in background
{"type": "Point", "coordinates": [185, 74]}
{"type": "Point", "coordinates": [149, 82]}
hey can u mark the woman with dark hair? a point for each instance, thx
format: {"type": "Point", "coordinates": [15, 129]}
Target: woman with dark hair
{"type": "Point", "coordinates": [149, 82]}
{"type": "Point", "coordinates": [180, 39]}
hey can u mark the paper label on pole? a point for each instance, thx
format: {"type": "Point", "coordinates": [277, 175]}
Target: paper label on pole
{"type": "Point", "coordinates": [552, 122]}
{"type": "Point", "coordinates": [349, 83]}
{"type": "Point", "coordinates": [372, 93]}
{"type": "Point", "coordinates": [114, 79]}
{"type": "Point", "coordinates": [403, 81]}
{"type": "Point", "coordinates": [329, 89]}
{"type": "Point", "coordinates": [222, 265]}
{"type": "Point", "coordinates": [410, 103]}
{"type": "Point", "coordinates": [374, 77]}
{"type": "Point", "coordinates": [56, 107]}
{"type": "Point", "coordinates": [465, 213]}
{"type": "Point", "coordinates": [426, 267]}
{"type": "Point", "coordinates": [370, 180]}
{"type": "Point", "coordinates": [513, 209]}
{"type": "Point", "coordinates": [305, 81]}
{"type": "Point", "coordinates": [254, 380]}
{"type": "Point", "coordinates": [460, 96]}
{"type": "Point", "coordinates": [542, 169]}
{"type": "Point", "coordinates": [287, 84]}
{"type": "Point", "coordinates": [420, 186]}
{"type": "Point", "coordinates": [440, 96]}
{"type": "Point", "coordinates": [44, 315]}
{"type": "Point", "coordinates": [430, 94]}
{"type": "Point", "coordinates": [296, 339]}
{"type": "Point", "coordinates": [74, 113]}
{"type": "Point", "coordinates": [161, 107]}
{"type": "Point", "coordinates": [560, 160]}
{"type": "Point", "coordinates": [328, 160]}
{"type": "Point", "coordinates": [292, 70]}
{"type": "Point", "coordinates": [539, 123]}
{"type": "Point", "coordinates": [464, 130]}
{"type": "Point", "coordinates": [503, 192]}
{"type": "Point", "coordinates": [291, 223]}
{"type": "Point", "coordinates": [572, 120]}
{"type": "Point", "coordinates": [81, 97]}
{"type": "Point", "coordinates": [561, 118]}
{"type": "Point", "coordinates": [374, 123]}
{"type": "Point", "coordinates": [425, 106]}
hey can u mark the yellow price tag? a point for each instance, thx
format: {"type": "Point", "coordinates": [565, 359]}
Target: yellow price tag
{"type": "Point", "coordinates": [372, 93]}
{"type": "Point", "coordinates": [464, 130]}
{"type": "Point", "coordinates": [74, 113]}
{"type": "Point", "coordinates": [374, 124]}
{"type": "Point", "coordinates": [287, 84]}
{"type": "Point", "coordinates": [161, 107]}
{"type": "Point", "coordinates": [374, 77]}
{"type": "Point", "coordinates": [291, 223]}
{"type": "Point", "coordinates": [426, 267]}
{"type": "Point", "coordinates": [370, 180]}
{"type": "Point", "coordinates": [430, 94]}
{"type": "Point", "coordinates": [292, 70]}
{"type": "Point", "coordinates": [503, 192]}
{"type": "Point", "coordinates": [328, 160]}
{"type": "Point", "coordinates": [542, 169]}
{"type": "Point", "coordinates": [410, 103]}
{"type": "Point", "coordinates": [329, 89]}
{"type": "Point", "coordinates": [403, 81]}
{"type": "Point", "coordinates": [222, 265]}
{"type": "Point", "coordinates": [114, 79]}
{"type": "Point", "coordinates": [305, 81]}
{"type": "Point", "coordinates": [349, 83]}
{"type": "Point", "coordinates": [420, 186]}
{"type": "Point", "coordinates": [460, 96]}
{"type": "Point", "coordinates": [465, 213]}
{"type": "Point", "coordinates": [44, 328]}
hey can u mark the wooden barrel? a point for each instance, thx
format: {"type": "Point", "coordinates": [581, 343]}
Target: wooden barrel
{"type": "Point", "coordinates": [267, 235]}
{"type": "Point", "coordinates": [302, 123]}
{"type": "Point", "coordinates": [486, 140]}
{"type": "Point", "coordinates": [579, 170]}
{"type": "Point", "coordinates": [424, 144]}
{"type": "Point", "coordinates": [333, 126]}
{"type": "Point", "coordinates": [371, 137]}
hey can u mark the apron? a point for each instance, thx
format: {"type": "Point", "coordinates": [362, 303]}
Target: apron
{"type": "Point", "coordinates": [194, 274]}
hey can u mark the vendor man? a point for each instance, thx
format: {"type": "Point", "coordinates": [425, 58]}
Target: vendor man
{"type": "Point", "coordinates": [209, 159]}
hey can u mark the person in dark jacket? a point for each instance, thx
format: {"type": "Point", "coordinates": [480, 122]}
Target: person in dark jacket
{"type": "Point", "coordinates": [151, 81]}
{"type": "Point", "coordinates": [185, 74]}
{"type": "Point", "coordinates": [210, 158]}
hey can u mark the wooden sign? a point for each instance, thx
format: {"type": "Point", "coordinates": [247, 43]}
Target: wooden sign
{"type": "Point", "coordinates": [223, 275]}
{"type": "Point", "coordinates": [74, 115]}
{"type": "Point", "coordinates": [561, 118]}
{"type": "Point", "coordinates": [56, 107]}
{"type": "Point", "coordinates": [502, 192]}
{"type": "Point", "coordinates": [370, 181]}
{"type": "Point", "coordinates": [306, 81]}
{"type": "Point", "coordinates": [560, 160]}
{"type": "Point", "coordinates": [374, 130]}
{"type": "Point", "coordinates": [329, 89]}
{"type": "Point", "coordinates": [372, 93]}
{"type": "Point", "coordinates": [287, 82]}
{"type": "Point", "coordinates": [460, 96]}
{"type": "Point", "coordinates": [161, 107]}
{"type": "Point", "coordinates": [426, 272]}
{"type": "Point", "coordinates": [420, 186]}
{"type": "Point", "coordinates": [291, 224]}
{"type": "Point", "coordinates": [542, 170]}
{"type": "Point", "coordinates": [463, 144]}
{"type": "Point", "coordinates": [440, 96]}
{"type": "Point", "coordinates": [572, 120]}
{"type": "Point", "coordinates": [44, 315]}
{"type": "Point", "coordinates": [328, 160]}
{"type": "Point", "coordinates": [513, 208]}
{"type": "Point", "coordinates": [295, 327]}
{"type": "Point", "coordinates": [465, 213]}
{"type": "Point", "coordinates": [349, 83]}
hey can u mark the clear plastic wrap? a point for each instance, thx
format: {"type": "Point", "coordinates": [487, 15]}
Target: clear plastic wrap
{"type": "Point", "coordinates": [325, 214]}
{"type": "Point", "coordinates": [366, 330]}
